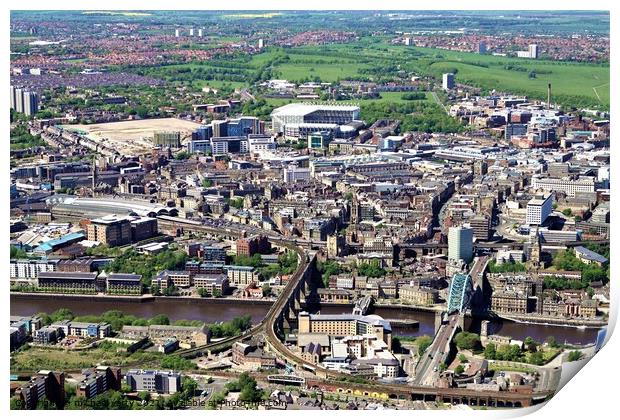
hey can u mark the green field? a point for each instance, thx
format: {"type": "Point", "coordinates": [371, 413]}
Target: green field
{"type": "Point", "coordinates": [394, 97]}
{"type": "Point", "coordinates": [326, 72]}
{"type": "Point", "coordinates": [313, 66]}
{"type": "Point", "coordinates": [219, 83]}
{"type": "Point", "coordinates": [34, 359]}
{"type": "Point", "coordinates": [375, 59]}
{"type": "Point", "coordinates": [513, 75]}
{"type": "Point", "coordinates": [574, 84]}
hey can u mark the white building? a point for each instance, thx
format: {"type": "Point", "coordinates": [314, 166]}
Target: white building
{"type": "Point", "coordinates": [565, 185]}
{"type": "Point", "coordinates": [226, 145]}
{"type": "Point", "coordinates": [538, 209]}
{"type": "Point", "coordinates": [448, 81]}
{"type": "Point", "coordinates": [30, 269]}
{"type": "Point", "coordinates": [603, 176]}
{"type": "Point", "coordinates": [239, 275]}
{"type": "Point", "coordinates": [507, 255]}
{"type": "Point", "coordinates": [261, 143]}
{"type": "Point", "coordinates": [308, 118]}
{"type": "Point", "coordinates": [293, 174]}
{"type": "Point", "coordinates": [460, 244]}
{"type": "Point", "coordinates": [31, 103]}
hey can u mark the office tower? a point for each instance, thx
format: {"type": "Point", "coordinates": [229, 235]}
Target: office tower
{"type": "Point", "coordinates": [19, 100]}
{"type": "Point", "coordinates": [177, 33]}
{"type": "Point", "coordinates": [191, 31]}
{"type": "Point", "coordinates": [481, 225]}
{"type": "Point", "coordinates": [243, 126]}
{"type": "Point", "coordinates": [448, 81]}
{"type": "Point", "coordinates": [461, 244]}
{"type": "Point", "coordinates": [162, 382]}
{"type": "Point", "coordinates": [261, 43]}
{"type": "Point", "coordinates": [30, 103]}
{"type": "Point", "coordinates": [533, 50]}
{"type": "Point", "coordinates": [219, 128]}
{"type": "Point", "coordinates": [12, 96]}
{"type": "Point", "coordinates": [482, 48]}
{"type": "Point", "coordinates": [200, 33]}
{"type": "Point", "coordinates": [538, 209]}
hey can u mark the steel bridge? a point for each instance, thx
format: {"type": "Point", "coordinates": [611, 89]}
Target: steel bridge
{"type": "Point", "coordinates": [285, 309]}
{"type": "Point", "coordinates": [460, 292]}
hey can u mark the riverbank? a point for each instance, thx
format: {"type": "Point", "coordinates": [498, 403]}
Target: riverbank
{"type": "Point", "coordinates": [214, 310]}
{"type": "Point", "coordinates": [519, 319]}
{"type": "Point", "coordinates": [395, 306]}
{"type": "Point", "coordinates": [574, 323]}
{"type": "Point", "coordinates": [139, 299]}
{"type": "Point", "coordinates": [420, 308]}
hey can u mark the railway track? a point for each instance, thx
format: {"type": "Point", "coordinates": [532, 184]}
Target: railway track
{"type": "Point", "coordinates": [274, 311]}
{"type": "Point", "coordinates": [269, 325]}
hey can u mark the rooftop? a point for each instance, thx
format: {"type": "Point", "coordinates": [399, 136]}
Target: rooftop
{"type": "Point", "coordinates": [67, 275]}
{"type": "Point", "coordinates": [590, 255]}
{"type": "Point", "coordinates": [114, 206]}
{"type": "Point", "coordinates": [304, 109]}
{"type": "Point", "coordinates": [124, 276]}
{"type": "Point", "coordinates": [368, 319]}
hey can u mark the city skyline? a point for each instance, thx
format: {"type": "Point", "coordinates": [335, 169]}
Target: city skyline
{"type": "Point", "coordinates": [306, 209]}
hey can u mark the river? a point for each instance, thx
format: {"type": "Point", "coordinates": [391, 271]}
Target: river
{"type": "Point", "coordinates": [212, 311]}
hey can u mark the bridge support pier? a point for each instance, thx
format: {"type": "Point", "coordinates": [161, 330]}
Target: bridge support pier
{"type": "Point", "coordinates": [438, 317]}
{"type": "Point", "coordinates": [291, 315]}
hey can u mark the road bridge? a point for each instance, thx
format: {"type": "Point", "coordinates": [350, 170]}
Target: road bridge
{"type": "Point", "coordinates": [477, 277]}
{"type": "Point", "coordinates": [460, 292]}
{"type": "Point", "coordinates": [460, 295]}
{"type": "Point", "coordinates": [427, 370]}
{"type": "Point", "coordinates": [283, 314]}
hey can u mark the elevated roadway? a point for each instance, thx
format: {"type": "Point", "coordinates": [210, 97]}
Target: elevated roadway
{"type": "Point", "coordinates": [427, 369]}
{"type": "Point", "coordinates": [286, 306]}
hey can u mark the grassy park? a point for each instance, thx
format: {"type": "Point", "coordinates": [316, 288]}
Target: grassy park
{"type": "Point", "coordinates": [376, 59]}
{"type": "Point", "coordinates": [577, 84]}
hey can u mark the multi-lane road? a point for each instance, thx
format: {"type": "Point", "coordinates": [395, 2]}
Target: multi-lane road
{"type": "Point", "coordinates": [427, 370]}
